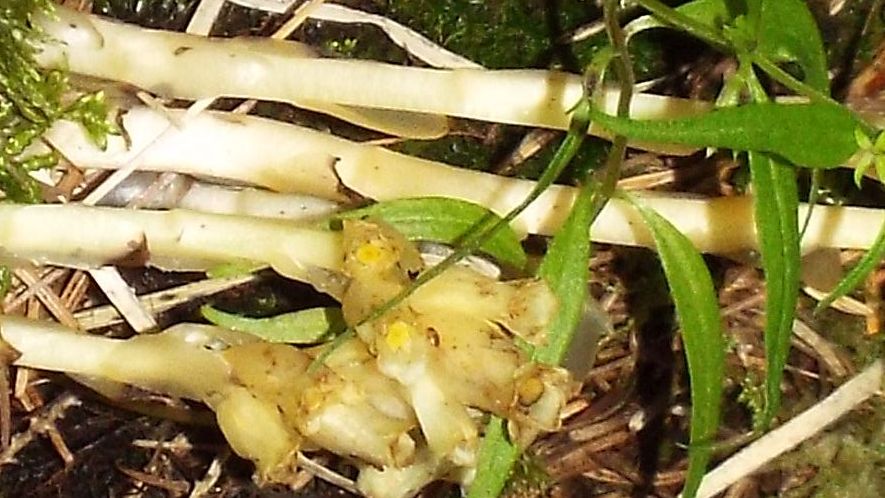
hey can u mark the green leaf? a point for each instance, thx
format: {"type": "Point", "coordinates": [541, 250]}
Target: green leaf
{"type": "Point", "coordinates": [740, 36]}
{"type": "Point", "coordinates": [879, 162]}
{"type": "Point", "coordinates": [497, 456]}
{"type": "Point", "coordinates": [444, 220]}
{"type": "Point", "coordinates": [308, 326]}
{"type": "Point", "coordinates": [697, 309]}
{"type": "Point", "coordinates": [235, 269]}
{"type": "Point", "coordinates": [775, 201]}
{"type": "Point", "coordinates": [859, 273]}
{"type": "Point", "coordinates": [565, 268]}
{"type": "Point", "coordinates": [699, 19]}
{"type": "Point", "coordinates": [814, 135]}
{"type": "Point", "coordinates": [860, 168]}
{"type": "Point", "coordinates": [789, 33]}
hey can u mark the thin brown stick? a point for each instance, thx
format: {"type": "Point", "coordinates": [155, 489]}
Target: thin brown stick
{"type": "Point", "coordinates": [47, 296]}
{"type": "Point", "coordinates": [75, 290]}
{"type": "Point", "coordinates": [177, 487]}
{"type": "Point", "coordinates": [41, 423]}
{"type": "Point", "coordinates": [49, 277]}
{"type": "Point", "coordinates": [5, 407]}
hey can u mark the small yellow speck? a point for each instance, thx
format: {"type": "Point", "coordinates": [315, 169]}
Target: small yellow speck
{"type": "Point", "coordinates": [529, 391]}
{"type": "Point", "coordinates": [398, 335]}
{"type": "Point", "coordinates": [369, 253]}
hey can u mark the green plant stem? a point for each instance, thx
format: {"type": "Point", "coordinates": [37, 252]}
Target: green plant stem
{"type": "Point", "coordinates": [675, 19]}
{"type": "Point", "coordinates": [857, 274]}
{"type": "Point", "coordinates": [775, 204]}
{"type": "Point", "coordinates": [670, 16]}
{"type": "Point", "coordinates": [786, 79]}
{"type": "Point", "coordinates": [610, 174]}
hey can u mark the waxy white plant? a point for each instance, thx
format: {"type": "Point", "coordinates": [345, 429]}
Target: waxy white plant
{"type": "Point", "coordinates": [400, 397]}
{"type": "Point", "coordinates": [408, 101]}
{"type": "Point", "coordinates": [289, 158]}
{"type": "Point", "coordinates": [396, 399]}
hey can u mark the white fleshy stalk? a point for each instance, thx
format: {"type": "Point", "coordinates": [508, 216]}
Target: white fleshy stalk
{"type": "Point", "coordinates": [411, 100]}
{"type": "Point", "coordinates": [289, 158]}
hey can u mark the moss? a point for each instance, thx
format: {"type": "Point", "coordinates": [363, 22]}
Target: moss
{"type": "Point", "coordinates": [849, 334]}
{"type": "Point", "coordinates": [752, 397]}
{"type": "Point", "coordinates": [456, 150]}
{"type": "Point", "coordinates": [494, 33]}
{"type": "Point", "coordinates": [353, 41]}
{"type": "Point", "coordinates": [848, 460]}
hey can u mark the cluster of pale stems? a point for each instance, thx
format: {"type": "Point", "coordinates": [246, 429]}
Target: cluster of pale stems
{"type": "Point", "coordinates": [403, 398]}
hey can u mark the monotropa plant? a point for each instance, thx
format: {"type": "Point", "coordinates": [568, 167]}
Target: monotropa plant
{"type": "Point", "coordinates": [431, 371]}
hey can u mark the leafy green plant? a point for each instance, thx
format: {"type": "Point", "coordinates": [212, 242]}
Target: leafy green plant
{"type": "Point", "coordinates": [754, 32]}
{"type": "Point", "coordinates": [698, 311]}
{"type": "Point", "coordinates": [308, 326]}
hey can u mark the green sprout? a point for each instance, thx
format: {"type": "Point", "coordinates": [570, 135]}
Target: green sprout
{"type": "Point", "coordinates": [870, 153]}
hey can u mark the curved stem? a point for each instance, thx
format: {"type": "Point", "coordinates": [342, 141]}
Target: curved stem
{"type": "Point", "coordinates": [673, 18]}
{"type": "Point", "coordinates": [609, 175]}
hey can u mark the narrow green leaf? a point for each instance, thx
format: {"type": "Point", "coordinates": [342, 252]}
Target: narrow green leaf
{"type": "Point", "coordinates": [861, 168]}
{"type": "Point", "coordinates": [497, 456]}
{"type": "Point", "coordinates": [738, 36]}
{"type": "Point", "coordinates": [879, 163]}
{"type": "Point", "coordinates": [789, 33]}
{"type": "Point", "coordinates": [859, 273]}
{"type": "Point", "coordinates": [444, 220]}
{"type": "Point", "coordinates": [308, 326]}
{"type": "Point", "coordinates": [565, 268]}
{"type": "Point", "coordinates": [814, 135]}
{"type": "Point", "coordinates": [700, 27]}
{"type": "Point", "coordinates": [798, 41]}
{"type": "Point", "coordinates": [775, 202]}
{"type": "Point", "coordinates": [697, 309]}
